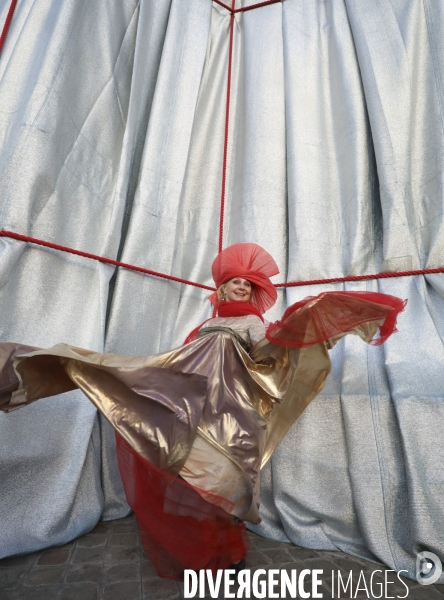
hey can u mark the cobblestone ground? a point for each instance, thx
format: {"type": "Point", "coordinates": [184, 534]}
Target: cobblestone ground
{"type": "Point", "coordinates": [109, 564]}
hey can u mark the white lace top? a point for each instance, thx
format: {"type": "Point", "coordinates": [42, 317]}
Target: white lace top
{"type": "Point", "coordinates": [250, 327]}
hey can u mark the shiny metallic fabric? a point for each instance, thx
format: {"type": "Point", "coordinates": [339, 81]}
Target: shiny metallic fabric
{"type": "Point", "coordinates": [206, 410]}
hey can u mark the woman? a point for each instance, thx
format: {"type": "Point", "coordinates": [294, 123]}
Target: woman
{"type": "Point", "coordinates": [195, 425]}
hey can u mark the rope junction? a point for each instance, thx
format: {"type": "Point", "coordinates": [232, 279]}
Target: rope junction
{"type": "Point", "coordinates": [246, 8]}
{"type": "Point", "coordinates": [233, 11]}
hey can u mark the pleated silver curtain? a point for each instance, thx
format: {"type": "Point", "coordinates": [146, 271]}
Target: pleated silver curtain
{"type": "Point", "coordinates": [112, 120]}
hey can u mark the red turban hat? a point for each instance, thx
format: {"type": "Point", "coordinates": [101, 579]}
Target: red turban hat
{"type": "Point", "coordinates": [251, 262]}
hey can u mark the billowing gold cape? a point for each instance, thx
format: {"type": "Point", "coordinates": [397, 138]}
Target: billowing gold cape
{"type": "Point", "coordinates": [209, 410]}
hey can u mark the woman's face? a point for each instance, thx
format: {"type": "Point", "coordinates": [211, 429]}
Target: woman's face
{"type": "Point", "coordinates": [238, 289]}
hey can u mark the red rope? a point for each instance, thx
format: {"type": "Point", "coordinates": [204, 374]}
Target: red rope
{"type": "Point", "coordinates": [361, 277]}
{"type": "Point", "coordinates": [7, 23]}
{"type": "Point", "coordinates": [223, 5]}
{"type": "Point", "coordinates": [232, 11]}
{"type": "Point", "coordinates": [259, 5]}
{"type": "Point", "coordinates": [227, 123]}
{"type": "Point", "coordinates": [245, 8]}
{"type": "Point", "coordinates": [103, 259]}
{"type": "Point", "coordinates": [117, 263]}
{"type": "Point", "coordinates": [110, 261]}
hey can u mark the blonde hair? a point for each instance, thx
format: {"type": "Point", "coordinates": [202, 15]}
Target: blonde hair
{"type": "Point", "coordinates": [221, 292]}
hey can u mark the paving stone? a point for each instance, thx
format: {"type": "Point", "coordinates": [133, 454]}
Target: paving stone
{"type": "Point", "coordinates": [128, 527]}
{"type": "Point", "coordinates": [424, 592]}
{"type": "Point", "coordinates": [88, 555]}
{"type": "Point", "coordinates": [69, 545]}
{"type": "Point", "coordinates": [302, 554]}
{"type": "Point", "coordinates": [103, 527]}
{"type": "Point", "coordinates": [85, 591]}
{"type": "Point", "coordinates": [55, 556]}
{"type": "Point", "coordinates": [257, 559]}
{"type": "Point", "coordinates": [12, 562]}
{"type": "Point", "coordinates": [113, 551]}
{"type": "Point", "coordinates": [43, 592]}
{"type": "Point", "coordinates": [129, 519]}
{"type": "Point", "coordinates": [350, 563]}
{"type": "Point", "coordinates": [326, 565]}
{"type": "Point", "coordinates": [263, 543]}
{"type": "Point", "coordinates": [91, 540]}
{"type": "Point", "coordinates": [124, 539]}
{"type": "Point", "coordinates": [45, 575]}
{"type": "Point", "coordinates": [126, 590]}
{"type": "Point", "coordinates": [125, 572]}
{"type": "Point", "coordinates": [9, 594]}
{"type": "Point", "coordinates": [83, 573]}
{"type": "Point", "coordinates": [278, 556]}
{"type": "Point", "coordinates": [297, 566]}
{"type": "Point", "coordinates": [142, 554]}
{"type": "Point", "coordinates": [10, 577]}
{"type": "Point", "coordinates": [148, 570]}
{"type": "Point", "coordinates": [121, 554]}
{"type": "Point", "coordinates": [160, 589]}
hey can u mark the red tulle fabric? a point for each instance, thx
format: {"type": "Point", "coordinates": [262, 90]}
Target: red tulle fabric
{"type": "Point", "coordinates": [178, 528]}
{"type": "Point", "coordinates": [228, 309]}
{"type": "Point", "coordinates": [251, 262]}
{"type": "Point", "coordinates": [318, 318]}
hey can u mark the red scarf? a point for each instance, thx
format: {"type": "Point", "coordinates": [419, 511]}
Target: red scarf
{"type": "Point", "coordinates": [238, 309]}
{"type": "Point", "coordinates": [228, 309]}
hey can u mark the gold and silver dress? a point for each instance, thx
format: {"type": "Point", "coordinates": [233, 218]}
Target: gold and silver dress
{"type": "Point", "coordinates": [211, 412]}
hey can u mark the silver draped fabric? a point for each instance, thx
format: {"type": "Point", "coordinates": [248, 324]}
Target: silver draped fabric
{"type": "Point", "coordinates": [112, 121]}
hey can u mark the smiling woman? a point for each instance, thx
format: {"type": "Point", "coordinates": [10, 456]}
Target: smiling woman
{"type": "Point", "coordinates": [195, 425]}
{"type": "Point", "coordinates": [235, 289]}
